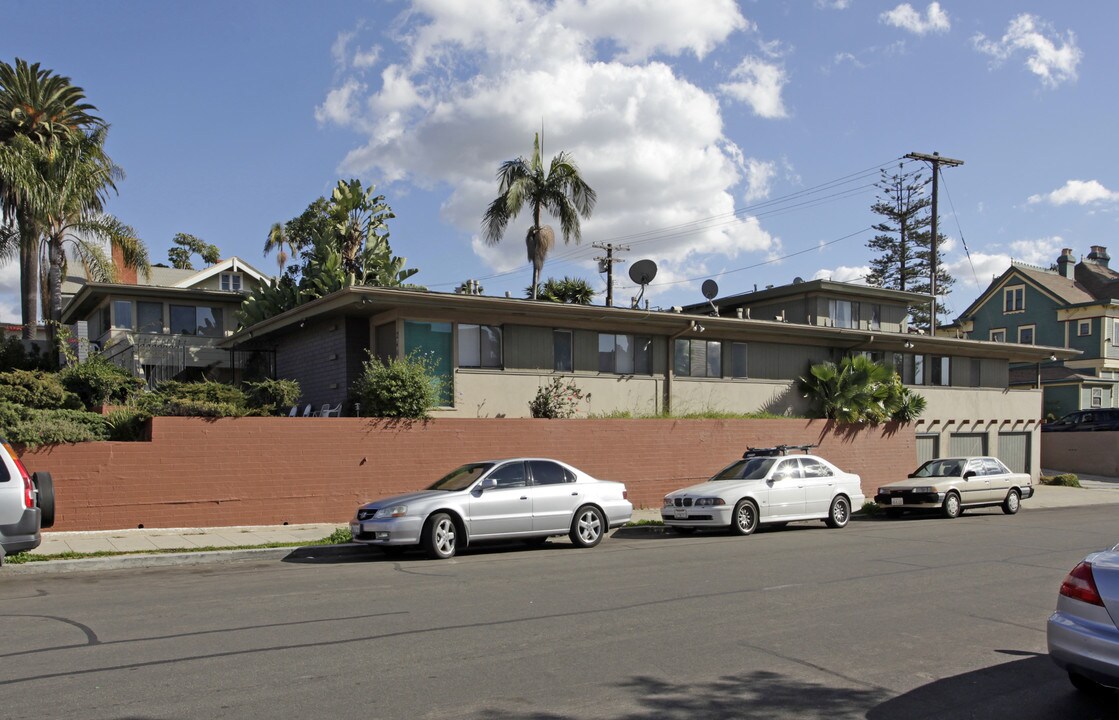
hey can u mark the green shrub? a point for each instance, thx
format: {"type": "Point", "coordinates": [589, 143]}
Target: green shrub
{"type": "Point", "coordinates": [870, 508]}
{"type": "Point", "coordinates": [273, 397]}
{"type": "Point", "coordinates": [1063, 480]}
{"type": "Point", "coordinates": [128, 424]}
{"type": "Point", "coordinates": [340, 536]}
{"type": "Point", "coordinates": [36, 389]}
{"type": "Point", "coordinates": [557, 399]}
{"type": "Point", "coordinates": [407, 388]}
{"type": "Point", "coordinates": [32, 427]}
{"type": "Point", "coordinates": [99, 382]}
{"type": "Point", "coordinates": [209, 391]}
{"type": "Point", "coordinates": [186, 407]}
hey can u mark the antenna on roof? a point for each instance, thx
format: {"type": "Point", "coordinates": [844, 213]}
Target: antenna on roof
{"type": "Point", "coordinates": [642, 272]}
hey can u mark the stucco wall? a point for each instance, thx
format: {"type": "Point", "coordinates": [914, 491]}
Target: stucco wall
{"type": "Point", "coordinates": [260, 471]}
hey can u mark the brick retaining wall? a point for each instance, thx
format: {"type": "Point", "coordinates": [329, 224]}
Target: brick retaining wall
{"type": "Point", "coordinates": [264, 471]}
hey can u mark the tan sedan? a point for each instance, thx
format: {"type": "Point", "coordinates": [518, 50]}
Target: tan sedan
{"type": "Point", "coordinates": [955, 483]}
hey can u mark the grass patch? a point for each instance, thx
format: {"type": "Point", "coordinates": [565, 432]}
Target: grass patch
{"type": "Point", "coordinates": [1062, 480]}
{"type": "Point", "coordinates": [338, 537]}
{"type": "Point", "coordinates": [644, 523]}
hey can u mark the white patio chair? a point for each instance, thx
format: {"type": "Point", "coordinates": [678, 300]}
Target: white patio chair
{"type": "Point", "coordinates": [294, 411]}
{"type": "Point", "coordinates": [335, 411]}
{"type": "Point", "coordinates": [307, 411]}
{"type": "Point", "coordinates": [324, 412]}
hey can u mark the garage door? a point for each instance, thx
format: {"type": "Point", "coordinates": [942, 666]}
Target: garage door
{"type": "Point", "coordinates": [1014, 450]}
{"type": "Point", "coordinates": [967, 444]}
{"type": "Point", "coordinates": [928, 447]}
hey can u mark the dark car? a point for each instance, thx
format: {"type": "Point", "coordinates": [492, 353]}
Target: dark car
{"type": "Point", "coordinates": [1099, 419]}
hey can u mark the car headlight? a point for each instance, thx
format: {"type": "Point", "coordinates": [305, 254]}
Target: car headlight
{"type": "Point", "coordinates": [709, 502]}
{"type": "Point", "coordinates": [924, 489]}
{"type": "Point", "coordinates": [392, 512]}
{"type": "Point", "coordinates": [668, 501]}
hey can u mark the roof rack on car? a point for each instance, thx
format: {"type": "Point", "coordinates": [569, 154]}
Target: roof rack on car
{"type": "Point", "coordinates": [775, 450]}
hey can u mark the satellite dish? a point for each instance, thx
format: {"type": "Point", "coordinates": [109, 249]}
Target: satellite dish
{"type": "Point", "coordinates": [710, 289]}
{"type": "Point", "coordinates": [798, 280]}
{"type": "Point", "coordinates": [642, 272]}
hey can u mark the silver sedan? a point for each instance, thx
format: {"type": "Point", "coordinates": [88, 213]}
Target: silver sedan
{"type": "Point", "coordinates": [1082, 634]}
{"type": "Point", "coordinates": [530, 499]}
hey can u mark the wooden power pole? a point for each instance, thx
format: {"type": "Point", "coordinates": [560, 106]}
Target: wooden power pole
{"type": "Point", "coordinates": [606, 264]}
{"type": "Point", "coordinates": [936, 161]}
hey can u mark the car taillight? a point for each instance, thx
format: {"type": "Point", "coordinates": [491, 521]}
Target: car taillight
{"type": "Point", "coordinates": [1080, 585]}
{"type": "Point", "coordinates": [28, 488]}
{"type": "Point", "coordinates": [625, 494]}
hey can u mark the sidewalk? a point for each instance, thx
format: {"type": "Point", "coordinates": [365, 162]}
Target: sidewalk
{"type": "Point", "coordinates": [1095, 491]}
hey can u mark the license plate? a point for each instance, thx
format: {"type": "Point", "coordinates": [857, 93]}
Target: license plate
{"type": "Point", "coordinates": [897, 501]}
{"type": "Point", "coordinates": [681, 514]}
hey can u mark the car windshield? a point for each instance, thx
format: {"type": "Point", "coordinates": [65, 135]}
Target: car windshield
{"type": "Point", "coordinates": [951, 467]}
{"type": "Point", "coordinates": [748, 469]}
{"type": "Point", "coordinates": [461, 478]}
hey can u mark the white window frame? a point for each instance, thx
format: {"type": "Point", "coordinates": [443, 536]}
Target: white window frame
{"type": "Point", "coordinates": [1083, 328]}
{"type": "Point", "coordinates": [1010, 295]}
{"type": "Point", "coordinates": [997, 335]}
{"type": "Point", "coordinates": [230, 279]}
{"type": "Point", "coordinates": [1033, 334]}
{"type": "Point", "coordinates": [470, 353]}
{"type": "Point", "coordinates": [1096, 397]}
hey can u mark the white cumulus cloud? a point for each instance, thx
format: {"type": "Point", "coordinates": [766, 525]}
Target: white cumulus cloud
{"type": "Point", "coordinates": [759, 178]}
{"type": "Point", "coordinates": [904, 16]}
{"type": "Point", "coordinates": [759, 84]}
{"type": "Point", "coordinates": [1079, 192]}
{"type": "Point", "coordinates": [1049, 56]}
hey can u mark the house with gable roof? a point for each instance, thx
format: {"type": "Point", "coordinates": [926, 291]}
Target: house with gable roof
{"type": "Point", "coordinates": [167, 325]}
{"type": "Point", "coordinates": [1073, 305]}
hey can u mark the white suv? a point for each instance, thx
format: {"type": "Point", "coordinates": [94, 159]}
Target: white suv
{"type": "Point", "coordinates": [26, 504]}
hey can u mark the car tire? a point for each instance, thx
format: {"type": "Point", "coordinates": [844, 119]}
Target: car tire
{"type": "Point", "coordinates": [44, 487]}
{"type": "Point", "coordinates": [744, 520]}
{"type": "Point", "coordinates": [1012, 502]}
{"type": "Point", "coordinates": [951, 507]}
{"type": "Point", "coordinates": [1083, 684]}
{"type": "Point", "coordinates": [683, 530]}
{"type": "Point", "coordinates": [440, 537]}
{"type": "Point", "coordinates": [587, 527]}
{"type": "Point", "coordinates": [839, 514]}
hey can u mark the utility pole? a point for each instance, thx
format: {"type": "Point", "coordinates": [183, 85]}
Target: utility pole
{"type": "Point", "coordinates": [936, 161]}
{"type": "Point", "coordinates": [606, 264]}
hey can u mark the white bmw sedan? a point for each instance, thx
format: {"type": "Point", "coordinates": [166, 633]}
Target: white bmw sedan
{"type": "Point", "coordinates": [768, 489]}
{"type": "Point", "coordinates": [530, 499]}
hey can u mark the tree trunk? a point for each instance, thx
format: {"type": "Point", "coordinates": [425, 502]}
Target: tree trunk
{"type": "Point", "coordinates": [54, 285]}
{"type": "Point", "coordinates": [28, 274]}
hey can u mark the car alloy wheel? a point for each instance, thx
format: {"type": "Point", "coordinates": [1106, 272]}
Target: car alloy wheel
{"type": "Point", "coordinates": [440, 536]}
{"type": "Point", "coordinates": [587, 527]}
{"type": "Point", "coordinates": [745, 518]}
{"type": "Point", "coordinates": [840, 512]}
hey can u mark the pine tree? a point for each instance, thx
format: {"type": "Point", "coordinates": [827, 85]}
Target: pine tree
{"type": "Point", "coordinates": [903, 241]}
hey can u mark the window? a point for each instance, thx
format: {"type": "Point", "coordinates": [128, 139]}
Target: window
{"type": "Point", "coordinates": [976, 371]}
{"type": "Point", "coordinates": [196, 320]}
{"type": "Point", "coordinates": [549, 473]}
{"type": "Point", "coordinates": [433, 340]}
{"type": "Point", "coordinates": [698, 358]}
{"type": "Point", "coordinates": [1026, 335]}
{"type": "Point", "coordinates": [231, 281]}
{"type": "Point", "coordinates": [1084, 327]}
{"type": "Point", "coordinates": [625, 354]}
{"type": "Point", "coordinates": [844, 313]}
{"type": "Point", "coordinates": [918, 369]}
{"type": "Point", "coordinates": [479, 346]}
{"type": "Point", "coordinates": [998, 335]}
{"type": "Point", "coordinates": [788, 470]}
{"type": "Point", "coordinates": [939, 370]}
{"type": "Point", "coordinates": [1014, 299]}
{"type": "Point", "coordinates": [122, 314]}
{"type": "Point", "coordinates": [738, 360]}
{"type": "Point", "coordinates": [563, 346]}
{"type": "Point", "coordinates": [1115, 334]}
{"type": "Point", "coordinates": [1097, 397]}
{"type": "Point", "coordinates": [510, 475]}
{"type": "Point", "coordinates": [814, 468]}
{"type": "Point", "coordinates": [150, 317]}
{"type": "Point", "coordinates": [875, 317]}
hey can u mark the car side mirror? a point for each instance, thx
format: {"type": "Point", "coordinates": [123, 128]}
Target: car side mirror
{"type": "Point", "coordinates": [912, 475]}
{"type": "Point", "coordinates": [969, 474]}
{"type": "Point", "coordinates": [487, 484]}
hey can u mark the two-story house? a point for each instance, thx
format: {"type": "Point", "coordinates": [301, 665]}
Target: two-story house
{"type": "Point", "coordinates": [167, 325]}
{"type": "Point", "coordinates": [1073, 305]}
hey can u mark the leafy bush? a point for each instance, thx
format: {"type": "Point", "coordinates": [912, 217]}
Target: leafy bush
{"type": "Point", "coordinates": [1063, 480]}
{"type": "Point", "coordinates": [99, 382]}
{"type": "Point", "coordinates": [556, 400]}
{"type": "Point", "coordinates": [272, 397]}
{"type": "Point", "coordinates": [340, 536]}
{"type": "Point", "coordinates": [407, 388]}
{"type": "Point", "coordinates": [32, 427]}
{"type": "Point", "coordinates": [870, 508]}
{"type": "Point", "coordinates": [36, 389]}
{"type": "Point", "coordinates": [210, 391]}
{"type": "Point", "coordinates": [128, 424]}
{"type": "Point", "coordinates": [859, 389]}
{"type": "Point", "coordinates": [187, 407]}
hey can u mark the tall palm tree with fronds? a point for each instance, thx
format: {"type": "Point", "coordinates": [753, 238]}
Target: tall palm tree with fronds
{"type": "Point", "coordinates": [561, 191]}
{"type": "Point", "coordinates": [39, 105]}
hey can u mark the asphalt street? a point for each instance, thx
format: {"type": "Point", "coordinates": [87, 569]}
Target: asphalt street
{"type": "Point", "coordinates": [918, 618]}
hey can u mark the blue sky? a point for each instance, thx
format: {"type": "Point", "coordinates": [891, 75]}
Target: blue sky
{"type": "Point", "coordinates": [732, 141]}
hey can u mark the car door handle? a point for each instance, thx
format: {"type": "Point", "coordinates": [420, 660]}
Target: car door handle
{"type": "Point", "coordinates": [574, 494]}
{"type": "Point", "coordinates": [524, 497]}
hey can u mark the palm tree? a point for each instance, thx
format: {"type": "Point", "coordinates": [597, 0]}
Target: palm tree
{"type": "Point", "coordinates": [562, 192]}
{"type": "Point", "coordinates": [39, 105]}
{"type": "Point", "coordinates": [360, 219]}
{"type": "Point", "coordinates": [573, 291]}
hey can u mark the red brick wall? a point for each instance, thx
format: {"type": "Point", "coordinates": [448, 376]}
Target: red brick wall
{"type": "Point", "coordinates": [264, 471]}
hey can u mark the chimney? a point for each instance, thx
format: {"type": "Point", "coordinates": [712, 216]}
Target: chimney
{"type": "Point", "coordinates": [1099, 255]}
{"type": "Point", "coordinates": [125, 275]}
{"type": "Point", "coordinates": [1065, 263]}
